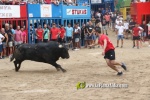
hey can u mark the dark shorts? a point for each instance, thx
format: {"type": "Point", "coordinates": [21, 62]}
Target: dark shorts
{"type": "Point", "coordinates": [69, 39]}
{"type": "Point", "coordinates": [136, 37]}
{"type": "Point", "coordinates": [107, 22]}
{"type": "Point", "coordinates": [148, 36]}
{"type": "Point", "coordinates": [45, 40]}
{"type": "Point", "coordinates": [1, 48]}
{"type": "Point", "coordinates": [110, 55]}
{"type": "Point", "coordinates": [53, 39]}
{"type": "Point", "coordinates": [60, 40]}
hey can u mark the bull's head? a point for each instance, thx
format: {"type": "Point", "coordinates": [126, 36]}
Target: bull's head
{"type": "Point", "coordinates": [64, 52]}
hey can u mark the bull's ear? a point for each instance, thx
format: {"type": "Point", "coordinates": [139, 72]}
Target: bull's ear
{"type": "Point", "coordinates": [60, 46]}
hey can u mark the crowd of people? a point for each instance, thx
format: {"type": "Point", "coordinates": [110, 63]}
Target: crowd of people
{"type": "Point", "coordinates": [56, 2]}
{"type": "Point", "coordinates": [138, 1]}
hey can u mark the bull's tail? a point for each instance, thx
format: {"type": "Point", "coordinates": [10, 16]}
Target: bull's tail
{"type": "Point", "coordinates": [12, 57]}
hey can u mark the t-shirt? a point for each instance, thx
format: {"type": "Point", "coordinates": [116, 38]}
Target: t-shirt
{"type": "Point", "coordinates": [69, 31]}
{"type": "Point", "coordinates": [82, 31]}
{"type": "Point", "coordinates": [9, 33]}
{"type": "Point", "coordinates": [54, 33]}
{"type": "Point", "coordinates": [46, 33]}
{"type": "Point", "coordinates": [77, 34]}
{"type": "Point", "coordinates": [136, 31]}
{"type": "Point", "coordinates": [144, 27]}
{"type": "Point", "coordinates": [90, 28]}
{"type": "Point", "coordinates": [126, 25]}
{"type": "Point", "coordinates": [24, 36]}
{"type": "Point", "coordinates": [40, 33]}
{"type": "Point", "coordinates": [1, 36]}
{"type": "Point", "coordinates": [113, 19]}
{"type": "Point", "coordinates": [120, 30]}
{"type": "Point", "coordinates": [148, 28]}
{"type": "Point", "coordinates": [109, 43]}
{"type": "Point", "coordinates": [103, 22]}
{"type": "Point", "coordinates": [62, 32]}
{"type": "Point", "coordinates": [18, 35]}
{"type": "Point", "coordinates": [107, 17]}
{"type": "Point", "coordinates": [132, 25]}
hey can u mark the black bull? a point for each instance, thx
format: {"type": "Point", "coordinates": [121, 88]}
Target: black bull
{"type": "Point", "coordinates": [41, 52]}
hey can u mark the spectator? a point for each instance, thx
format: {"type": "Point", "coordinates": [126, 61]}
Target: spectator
{"type": "Point", "coordinates": [10, 37]}
{"type": "Point", "coordinates": [5, 41]}
{"type": "Point", "coordinates": [47, 1]}
{"type": "Point", "coordinates": [69, 33]}
{"type": "Point", "coordinates": [32, 34]}
{"type": "Point", "coordinates": [62, 34]}
{"type": "Point", "coordinates": [82, 34]}
{"type": "Point", "coordinates": [149, 32]}
{"type": "Point", "coordinates": [120, 29]}
{"type": "Point", "coordinates": [131, 25]}
{"type": "Point", "coordinates": [54, 32]}
{"type": "Point", "coordinates": [18, 36]}
{"type": "Point", "coordinates": [39, 34]}
{"type": "Point", "coordinates": [104, 26]}
{"type": "Point", "coordinates": [76, 35]}
{"type": "Point", "coordinates": [1, 45]}
{"type": "Point", "coordinates": [113, 19]}
{"type": "Point", "coordinates": [24, 35]}
{"type": "Point", "coordinates": [126, 25]}
{"type": "Point", "coordinates": [90, 29]}
{"type": "Point", "coordinates": [107, 18]}
{"type": "Point", "coordinates": [46, 34]}
{"type": "Point", "coordinates": [93, 20]}
{"type": "Point", "coordinates": [86, 34]}
{"type": "Point", "coordinates": [143, 34]}
{"type": "Point", "coordinates": [136, 36]}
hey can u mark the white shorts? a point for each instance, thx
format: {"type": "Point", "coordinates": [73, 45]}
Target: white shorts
{"type": "Point", "coordinates": [18, 42]}
{"type": "Point", "coordinates": [10, 44]}
{"type": "Point", "coordinates": [76, 39]}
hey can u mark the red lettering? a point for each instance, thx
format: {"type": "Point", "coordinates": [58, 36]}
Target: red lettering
{"type": "Point", "coordinates": [83, 11]}
{"type": "Point", "coordinates": [73, 12]}
{"type": "Point", "coordinates": [79, 12]}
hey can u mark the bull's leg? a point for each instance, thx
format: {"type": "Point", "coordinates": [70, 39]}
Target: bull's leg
{"type": "Point", "coordinates": [57, 66]}
{"type": "Point", "coordinates": [17, 65]}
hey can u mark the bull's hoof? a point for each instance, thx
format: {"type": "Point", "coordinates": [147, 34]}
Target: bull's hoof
{"type": "Point", "coordinates": [63, 70]}
{"type": "Point", "coordinates": [58, 69]}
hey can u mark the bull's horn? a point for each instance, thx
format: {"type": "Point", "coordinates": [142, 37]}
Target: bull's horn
{"type": "Point", "coordinates": [60, 46]}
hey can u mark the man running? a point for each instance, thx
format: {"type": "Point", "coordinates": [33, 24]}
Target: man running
{"type": "Point", "coordinates": [109, 53]}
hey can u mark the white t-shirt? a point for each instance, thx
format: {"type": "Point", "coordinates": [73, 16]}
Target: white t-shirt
{"type": "Point", "coordinates": [120, 30]}
{"type": "Point", "coordinates": [140, 29]}
{"type": "Point", "coordinates": [1, 36]}
{"type": "Point", "coordinates": [126, 25]}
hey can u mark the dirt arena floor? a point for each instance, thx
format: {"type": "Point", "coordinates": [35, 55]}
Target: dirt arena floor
{"type": "Point", "coordinates": [39, 81]}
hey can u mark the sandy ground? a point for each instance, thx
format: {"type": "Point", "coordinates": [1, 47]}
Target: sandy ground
{"type": "Point", "coordinates": [39, 81]}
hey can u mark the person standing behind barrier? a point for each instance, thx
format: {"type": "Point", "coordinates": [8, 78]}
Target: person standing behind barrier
{"type": "Point", "coordinates": [1, 45]}
{"type": "Point", "coordinates": [24, 35]}
{"type": "Point", "coordinates": [5, 41]}
{"type": "Point", "coordinates": [90, 28]}
{"type": "Point", "coordinates": [76, 37]}
{"type": "Point", "coordinates": [82, 34]}
{"type": "Point", "coordinates": [69, 33]}
{"type": "Point", "coordinates": [10, 41]}
{"type": "Point", "coordinates": [143, 34]}
{"type": "Point", "coordinates": [32, 34]}
{"type": "Point", "coordinates": [54, 33]}
{"type": "Point", "coordinates": [149, 32]}
{"type": "Point", "coordinates": [39, 34]}
{"type": "Point", "coordinates": [86, 35]}
{"type": "Point", "coordinates": [46, 34]}
{"type": "Point", "coordinates": [18, 36]}
{"type": "Point", "coordinates": [104, 26]}
{"type": "Point", "coordinates": [62, 34]}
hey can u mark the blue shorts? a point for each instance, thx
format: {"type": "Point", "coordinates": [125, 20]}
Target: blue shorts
{"type": "Point", "coordinates": [120, 37]}
{"type": "Point", "coordinates": [1, 47]}
{"type": "Point", "coordinates": [93, 37]}
{"type": "Point", "coordinates": [90, 37]}
{"type": "Point", "coordinates": [4, 45]}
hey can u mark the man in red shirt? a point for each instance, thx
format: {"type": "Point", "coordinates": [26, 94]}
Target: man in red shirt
{"type": "Point", "coordinates": [136, 37]}
{"type": "Point", "coordinates": [109, 52]}
{"type": "Point", "coordinates": [62, 34]}
{"type": "Point", "coordinates": [54, 32]}
{"type": "Point", "coordinates": [39, 33]}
